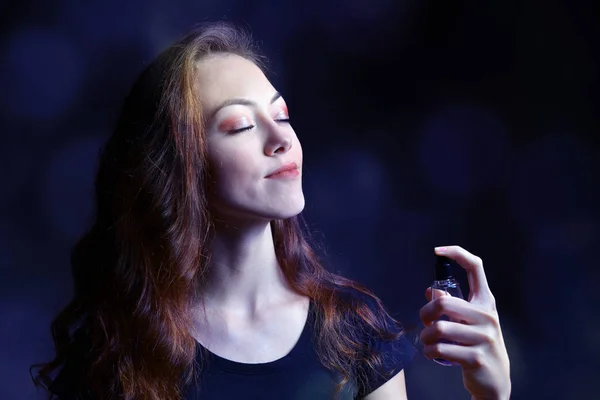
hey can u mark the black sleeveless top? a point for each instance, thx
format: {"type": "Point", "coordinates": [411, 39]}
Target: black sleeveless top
{"type": "Point", "coordinates": [299, 375]}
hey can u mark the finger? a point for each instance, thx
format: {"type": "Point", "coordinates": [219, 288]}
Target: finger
{"type": "Point", "coordinates": [466, 356]}
{"type": "Point", "coordinates": [467, 335]}
{"type": "Point", "coordinates": [454, 308]}
{"type": "Point", "coordinates": [432, 294]}
{"type": "Point", "coordinates": [478, 284]}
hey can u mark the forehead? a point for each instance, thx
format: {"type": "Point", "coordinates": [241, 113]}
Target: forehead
{"type": "Point", "coordinates": [225, 76]}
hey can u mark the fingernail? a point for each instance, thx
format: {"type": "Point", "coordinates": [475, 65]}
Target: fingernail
{"type": "Point", "coordinates": [440, 250]}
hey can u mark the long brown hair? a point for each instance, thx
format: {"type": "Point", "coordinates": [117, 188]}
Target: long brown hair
{"type": "Point", "coordinates": [137, 270]}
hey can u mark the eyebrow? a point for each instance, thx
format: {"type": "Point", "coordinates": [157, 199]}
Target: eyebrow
{"type": "Point", "coordinates": [244, 102]}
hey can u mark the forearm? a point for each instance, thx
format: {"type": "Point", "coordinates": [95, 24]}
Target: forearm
{"type": "Point", "coordinates": [502, 396]}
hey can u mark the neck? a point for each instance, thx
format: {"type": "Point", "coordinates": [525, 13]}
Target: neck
{"type": "Point", "coordinates": [243, 273]}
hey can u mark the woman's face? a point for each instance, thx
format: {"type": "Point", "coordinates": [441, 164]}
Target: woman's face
{"type": "Point", "coordinates": [248, 138]}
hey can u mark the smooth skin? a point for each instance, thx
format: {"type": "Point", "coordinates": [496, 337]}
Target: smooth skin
{"type": "Point", "coordinates": [481, 353]}
{"type": "Point", "coordinates": [248, 136]}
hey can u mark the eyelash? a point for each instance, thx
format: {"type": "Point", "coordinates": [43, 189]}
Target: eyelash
{"type": "Point", "coordinates": [246, 128]}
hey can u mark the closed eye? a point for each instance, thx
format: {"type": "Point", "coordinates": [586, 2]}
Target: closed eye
{"type": "Point", "coordinates": [246, 128]}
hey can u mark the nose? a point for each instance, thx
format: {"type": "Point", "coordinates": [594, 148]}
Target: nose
{"type": "Point", "coordinates": [279, 139]}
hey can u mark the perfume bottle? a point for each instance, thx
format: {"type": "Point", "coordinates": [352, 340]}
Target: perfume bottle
{"type": "Point", "coordinates": [444, 284]}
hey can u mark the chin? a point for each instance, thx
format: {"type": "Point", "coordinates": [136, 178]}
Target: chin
{"type": "Point", "coordinates": [288, 211]}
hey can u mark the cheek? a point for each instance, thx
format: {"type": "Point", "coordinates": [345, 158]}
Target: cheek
{"type": "Point", "coordinates": [231, 169]}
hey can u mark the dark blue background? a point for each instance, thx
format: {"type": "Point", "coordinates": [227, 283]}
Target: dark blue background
{"type": "Point", "coordinates": [423, 123]}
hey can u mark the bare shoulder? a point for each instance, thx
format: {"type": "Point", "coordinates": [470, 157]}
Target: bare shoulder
{"type": "Point", "coordinates": [395, 388]}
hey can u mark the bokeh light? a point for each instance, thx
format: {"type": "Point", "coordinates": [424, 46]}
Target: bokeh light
{"type": "Point", "coordinates": [426, 122]}
{"type": "Point", "coordinates": [45, 72]}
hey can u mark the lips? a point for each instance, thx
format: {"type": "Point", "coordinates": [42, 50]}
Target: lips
{"type": "Point", "coordinates": [284, 168]}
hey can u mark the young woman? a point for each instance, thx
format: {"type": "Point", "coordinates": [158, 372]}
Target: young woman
{"type": "Point", "coordinates": [197, 280]}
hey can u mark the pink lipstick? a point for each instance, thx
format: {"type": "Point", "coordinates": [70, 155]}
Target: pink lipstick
{"type": "Point", "coordinates": [285, 171]}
